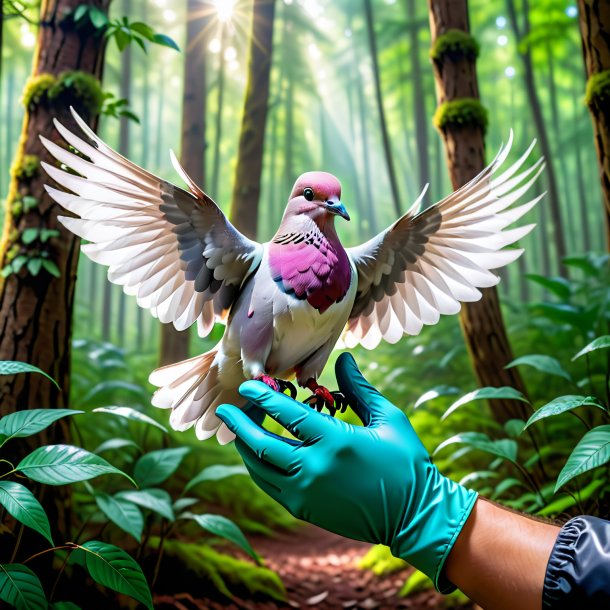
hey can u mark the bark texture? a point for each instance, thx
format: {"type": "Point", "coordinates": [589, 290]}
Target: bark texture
{"type": "Point", "coordinates": [482, 323]}
{"type": "Point", "coordinates": [594, 16]}
{"type": "Point", "coordinates": [175, 344]}
{"type": "Point", "coordinates": [36, 311]}
{"type": "Point", "coordinates": [247, 185]}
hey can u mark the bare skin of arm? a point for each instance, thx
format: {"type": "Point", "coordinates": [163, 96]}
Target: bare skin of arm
{"type": "Point", "coordinates": [500, 558]}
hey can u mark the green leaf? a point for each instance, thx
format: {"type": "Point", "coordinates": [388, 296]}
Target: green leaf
{"type": "Point", "coordinates": [584, 263]}
{"type": "Point", "coordinates": [439, 390]}
{"type": "Point", "coordinates": [568, 501]}
{"type": "Point", "coordinates": [21, 503]}
{"type": "Point", "coordinates": [506, 484]}
{"type": "Point", "coordinates": [46, 234]}
{"type": "Point", "coordinates": [156, 500]}
{"type": "Point", "coordinates": [514, 427]}
{"type": "Point", "coordinates": [12, 367]}
{"type": "Point", "coordinates": [65, 606]}
{"type": "Point", "coordinates": [142, 29]}
{"type": "Point", "coordinates": [225, 528]}
{"type": "Point", "coordinates": [165, 41]}
{"type": "Point", "coordinates": [561, 404]}
{"type": "Point", "coordinates": [557, 285]}
{"type": "Point", "coordinates": [80, 11]}
{"type": "Point", "coordinates": [592, 451]}
{"type": "Point", "coordinates": [504, 448]}
{"type": "Point", "coordinates": [106, 389]}
{"type": "Point", "coordinates": [116, 443]}
{"type": "Point", "coordinates": [29, 235]}
{"type": "Point", "coordinates": [112, 567]}
{"type": "Point", "coordinates": [598, 343]}
{"type": "Point", "coordinates": [123, 514]}
{"type": "Point", "coordinates": [61, 464]}
{"type": "Point", "coordinates": [25, 423]}
{"type": "Point", "coordinates": [183, 503]}
{"type": "Point", "coordinates": [21, 588]}
{"type": "Point", "coordinates": [215, 473]}
{"type": "Point", "coordinates": [18, 263]}
{"type": "Point", "coordinates": [99, 19]}
{"type": "Point", "coordinates": [542, 363]}
{"type": "Point", "coordinates": [34, 266]}
{"type": "Point", "coordinates": [122, 39]}
{"type": "Point", "coordinates": [486, 393]}
{"type": "Point", "coordinates": [129, 413]}
{"type": "Point", "coordinates": [154, 467]}
{"type": "Point", "coordinates": [51, 268]}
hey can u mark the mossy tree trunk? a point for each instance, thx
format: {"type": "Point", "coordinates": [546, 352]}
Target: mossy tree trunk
{"type": "Point", "coordinates": [456, 84]}
{"type": "Point", "coordinates": [175, 344]}
{"type": "Point", "coordinates": [247, 186]}
{"type": "Point", "coordinates": [37, 290]}
{"type": "Point", "coordinates": [595, 30]}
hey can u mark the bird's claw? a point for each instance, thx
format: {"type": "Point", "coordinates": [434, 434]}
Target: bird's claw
{"type": "Point", "coordinates": [333, 401]}
{"type": "Point", "coordinates": [279, 385]}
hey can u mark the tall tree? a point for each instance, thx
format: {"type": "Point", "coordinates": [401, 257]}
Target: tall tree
{"type": "Point", "coordinates": [454, 53]}
{"type": "Point", "coordinates": [247, 185]}
{"type": "Point", "coordinates": [175, 344]}
{"type": "Point", "coordinates": [595, 31]}
{"type": "Point", "coordinates": [522, 31]}
{"type": "Point", "coordinates": [387, 147]}
{"type": "Point", "coordinates": [219, 108]}
{"type": "Point", "coordinates": [37, 292]}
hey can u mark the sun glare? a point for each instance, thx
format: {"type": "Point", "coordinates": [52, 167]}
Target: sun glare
{"type": "Point", "coordinates": [225, 9]}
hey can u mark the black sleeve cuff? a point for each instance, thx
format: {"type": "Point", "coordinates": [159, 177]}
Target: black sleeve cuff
{"type": "Point", "coordinates": [578, 572]}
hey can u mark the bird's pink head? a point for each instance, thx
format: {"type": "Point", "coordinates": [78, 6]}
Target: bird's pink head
{"type": "Point", "coordinates": [317, 195]}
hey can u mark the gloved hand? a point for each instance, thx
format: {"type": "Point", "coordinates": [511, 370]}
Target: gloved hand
{"type": "Point", "coordinates": [374, 483]}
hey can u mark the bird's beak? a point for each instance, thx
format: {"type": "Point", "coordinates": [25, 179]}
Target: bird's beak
{"type": "Point", "coordinates": [334, 206]}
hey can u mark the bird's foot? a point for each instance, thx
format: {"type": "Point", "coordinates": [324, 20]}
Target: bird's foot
{"type": "Point", "coordinates": [322, 397]}
{"type": "Point", "coordinates": [279, 385]}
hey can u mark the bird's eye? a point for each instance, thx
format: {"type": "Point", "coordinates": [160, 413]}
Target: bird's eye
{"type": "Point", "coordinates": [308, 194]}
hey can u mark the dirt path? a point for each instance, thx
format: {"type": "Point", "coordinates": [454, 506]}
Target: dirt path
{"type": "Point", "coordinates": [320, 571]}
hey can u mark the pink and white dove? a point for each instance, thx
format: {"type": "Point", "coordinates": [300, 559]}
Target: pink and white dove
{"type": "Point", "coordinates": [285, 303]}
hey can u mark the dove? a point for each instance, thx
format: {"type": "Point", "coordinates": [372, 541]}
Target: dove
{"type": "Point", "coordinates": [286, 303]}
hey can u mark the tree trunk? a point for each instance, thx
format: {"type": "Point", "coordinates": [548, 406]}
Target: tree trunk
{"type": "Point", "coordinates": [387, 147]}
{"type": "Point", "coordinates": [219, 108]}
{"type": "Point", "coordinates": [595, 30]}
{"type": "Point", "coordinates": [580, 175]}
{"type": "Point", "coordinates": [545, 145]}
{"type": "Point", "coordinates": [482, 322]}
{"type": "Point", "coordinates": [174, 343]}
{"type": "Point", "coordinates": [419, 102]}
{"type": "Point", "coordinates": [247, 186]}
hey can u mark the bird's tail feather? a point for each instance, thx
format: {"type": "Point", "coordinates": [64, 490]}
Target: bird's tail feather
{"type": "Point", "coordinates": [193, 389]}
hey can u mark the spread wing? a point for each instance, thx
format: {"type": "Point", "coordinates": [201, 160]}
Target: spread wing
{"type": "Point", "coordinates": [426, 263]}
{"type": "Point", "coordinates": [174, 250]}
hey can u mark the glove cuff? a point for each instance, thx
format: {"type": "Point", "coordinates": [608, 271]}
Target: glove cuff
{"type": "Point", "coordinates": [430, 530]}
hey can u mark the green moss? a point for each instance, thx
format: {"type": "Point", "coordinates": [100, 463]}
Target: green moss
{"type": "Point", "coordinates": [79, 89]}
{"type": "Point", "coordinates": [26, 167]}
{"type": "Point", "coordinates": [36, 89]}
{"type": "Point", "coordinates": [464, 112]}
{"type": "Point", "coordinates": [380, 560]}
{"type": "Point", "coordinates": [455, 45]}
{"type": "Point", "coordinates": [597, 94]}
{"type": "Point", "coordinates": [223, 570]}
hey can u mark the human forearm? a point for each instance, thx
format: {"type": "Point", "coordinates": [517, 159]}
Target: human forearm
{"type": "Point", "coordinates": [500, 557]}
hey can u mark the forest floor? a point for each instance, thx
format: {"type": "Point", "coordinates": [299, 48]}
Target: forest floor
{"type": "Point", "coordinates": [319, 570]}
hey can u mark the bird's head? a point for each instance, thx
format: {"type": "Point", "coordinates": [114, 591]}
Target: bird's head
{"type": "Point", "coordinates": [318, 196]}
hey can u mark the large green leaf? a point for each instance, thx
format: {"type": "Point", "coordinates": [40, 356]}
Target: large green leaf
{"type": "Point", "coordinates": [157, 500]}
{"type": "Point", "coordinates": [106, 389]}
{"type": "Point", "coordinates": [133, 414]}
{"type": "Point", "coordinates": [30, 421]}
{"type": "Point", "coordinates": [542, 363]}
{"type": "Point", "coordinates": [65, 605]}
{"type": "Point", "coordinates": [21, 588]}
{"type": "Point", "coordinates": [487, 393]}
{"type": "Point", "coordinates": [225, 528]}
{"type": "Point", "coordinates": [602, 342]}
{"type": "Point", "coordinates": [557, 285]}
{"type": "Point", "coordinates": [215, 473]}
{"type": "Point", "coordinates": [122, 513]}
{"type": "Point", "coordinates": [439, 390]}
{"type": "Point", "coordinates": [21, 503]}
{"type": "Point", "coordinates": [592, 451]}
{"type": "Point", "coordinates": [561, 404]}
{"type": "Point", "coordinates": [10, 367]}
{"type": "Point", "coordinates": [567, 501]}
{"type": "Point", "coordinates": [154, 467]}
{"type": "Point", "coordinates": [112, 567]}
{"type": "Point", "coordinates": [116, 443]}
{"type": "Point", "coordinates": [504, 448]}
{"type": "Point", "coordinates": [61, 464]}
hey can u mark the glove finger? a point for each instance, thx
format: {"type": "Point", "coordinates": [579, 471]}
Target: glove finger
{"type": "Point", "coordinates": [266, 446]}
{"type": "Point", "coordinates": [300, 420]}
{"type": "Point", "coordinates": [370, 406]}
{"type": "Point", "coordinates": [265, 476]}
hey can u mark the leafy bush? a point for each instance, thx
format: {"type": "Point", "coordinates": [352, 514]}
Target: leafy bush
{"type": "Point", "coordinates": [140, 507]}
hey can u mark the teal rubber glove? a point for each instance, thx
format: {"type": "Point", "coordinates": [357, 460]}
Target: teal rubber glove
{"type": "Point", "coordinates": [374, 483]}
